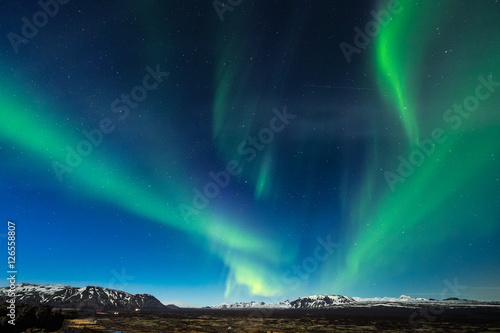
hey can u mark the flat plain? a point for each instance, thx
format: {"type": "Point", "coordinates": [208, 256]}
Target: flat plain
{"type": "Point", "coordinates": [376, 319]}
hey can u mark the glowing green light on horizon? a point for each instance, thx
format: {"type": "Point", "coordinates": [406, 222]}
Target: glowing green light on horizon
{"type": "Point", "coordinates": [21, 125]}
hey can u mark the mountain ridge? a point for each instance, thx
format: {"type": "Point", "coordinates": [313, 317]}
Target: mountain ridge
{"type": "Point", "coordinates": [334, 301]}
{"type": "Point", "coordinates": [85, 298]}
{"type": "Point", "coordinates": [105, 299]}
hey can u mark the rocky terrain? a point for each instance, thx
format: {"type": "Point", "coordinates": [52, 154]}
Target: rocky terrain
{"type": "Point", "coordinates": [87, 298]}
{"type": "Point", "coordinates": [339, 301]}
{"type": "Point", "coordinates": [97, 309]}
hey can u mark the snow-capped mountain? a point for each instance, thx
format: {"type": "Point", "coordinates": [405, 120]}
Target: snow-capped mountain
{"type": "Point", "coordinates": [337, 301]}
{"type": "Point", "coordinates": [240, 305]}
{"type": "Point", "coordinates": [402, 298]}
{"type": "Point", "coordinates": [86, 298]}
{"type": "Point", "coordinates": [319, 301]}
{"type": "Point", "coordinates": [309, 302]}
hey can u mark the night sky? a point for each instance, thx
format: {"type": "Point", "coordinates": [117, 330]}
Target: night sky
{"type": "Point", "coordinates": [263, 150]}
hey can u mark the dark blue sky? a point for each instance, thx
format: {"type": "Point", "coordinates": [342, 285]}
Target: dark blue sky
{"type": "Point", "coordinates": [156, 148]}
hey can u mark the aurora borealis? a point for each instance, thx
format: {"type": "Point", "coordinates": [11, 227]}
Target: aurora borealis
{"type": "Point", "coordinates": [203, 160]}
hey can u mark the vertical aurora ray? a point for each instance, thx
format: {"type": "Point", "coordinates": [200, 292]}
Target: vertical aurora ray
{"type": "Point", "coordinates": [398, 52]}
{"type": "Point", "coordinates": [243, 99]}
{"type": "Point", "coordinates": [230, 118]}
{"type": "Point", "coordinates": [264, 179]}
{"type": "Point", "coordinates": [453, 192]}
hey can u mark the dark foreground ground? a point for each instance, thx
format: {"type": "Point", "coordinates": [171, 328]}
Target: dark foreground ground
{"type": "Point", "coordinates": [377, 319]}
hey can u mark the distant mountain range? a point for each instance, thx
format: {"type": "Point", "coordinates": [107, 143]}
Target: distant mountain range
{"type": "Point", "coordinates": [103, 299]}
{"type": "Point", "coordinates": [86, 298]}
{"type": "Point", "coordinates": [335, 301]}
{"type": "Point", "coordinates": [309, 302]}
